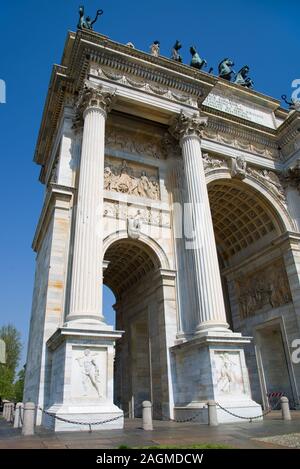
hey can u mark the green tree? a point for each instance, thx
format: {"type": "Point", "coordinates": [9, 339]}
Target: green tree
{"type": "Point", "coordinates": [12, 339]}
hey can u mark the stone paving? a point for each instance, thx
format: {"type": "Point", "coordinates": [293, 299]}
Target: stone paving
{"type": "Point", "coordinates": [270, 433]}
{"type": "Point", "coordinates": [292, 440]}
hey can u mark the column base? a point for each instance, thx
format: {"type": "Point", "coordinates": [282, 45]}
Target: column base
{"type": "Point", "coordinates": [83, 413]}
{"type": "Point", "coordinates": [212, 366]}
{"type": "Point", "coordinates": [79, 383]}
{"type": "Point", "coordinates": [245, 408]}
{"type": "Point", "coordinates": [212, 326]}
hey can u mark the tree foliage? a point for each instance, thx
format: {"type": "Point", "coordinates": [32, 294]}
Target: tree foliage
{"type": "Point", "coordinates": [12, 339]}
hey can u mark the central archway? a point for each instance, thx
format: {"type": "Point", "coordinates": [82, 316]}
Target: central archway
{"type": "Point", "coordinates": [133, 271]}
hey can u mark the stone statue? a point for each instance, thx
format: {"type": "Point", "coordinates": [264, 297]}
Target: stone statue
{"type": "Point", "coordinates": [154, 48]}
{"type": "Point", "coordinates": [134, 226]}
{"type": "Point", "coordinates": [87, 23]}
{"type": "Point", "coordinates": [238, 167]}
{"type": "Point", "coordinates": [243, 79]}
{"type": "Point", "coordinates": [225, 69]}
{"type": "Point", "coordinates": [175, 54]}
{"type": "Point", "coordinates": [196, 61]}
{"type": "Point", "coordinates": [90, 371]}
{"type": "Point", "coordinates": [293, 104]}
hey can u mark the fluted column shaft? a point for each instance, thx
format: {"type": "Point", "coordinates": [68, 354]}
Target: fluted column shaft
{"type": "Point", "coordinates": [211, 312]}
{"type": "Point", "coordinates": [86, 281]}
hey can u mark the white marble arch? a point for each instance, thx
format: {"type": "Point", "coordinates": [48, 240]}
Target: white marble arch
{"type": "Point", "coordinates": [275, 208]}
{"type": "Point", "coordinates": [150, 242]}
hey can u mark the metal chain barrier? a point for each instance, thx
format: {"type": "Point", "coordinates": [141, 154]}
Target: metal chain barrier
{"type": "Point", "coordinates": [89, 424]}
{"type": "Point", "coordinates": [263, 414]}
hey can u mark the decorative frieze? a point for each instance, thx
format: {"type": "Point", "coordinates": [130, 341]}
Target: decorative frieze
{"type": "Point", "coordinates": [267, 287]}
{"type": "Point", "coordinates": [240, 138]}
{"type": "Point", "coordinates": [138, 144]}
{"type": "Point", "coordinates": [131, 179]}
{"type": "Point", "coordinates": [211, 162]}
{"type": "Point", "coordinates": [146, 85]}
{"type": "Point", "coordinates": [145, 214]}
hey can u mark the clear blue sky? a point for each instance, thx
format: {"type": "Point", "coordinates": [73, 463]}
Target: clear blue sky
{"type": "Point", "coordinates": [261, 33]}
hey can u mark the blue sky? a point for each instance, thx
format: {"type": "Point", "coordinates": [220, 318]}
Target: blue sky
{"type": "Point", "coordinates": [263, 34]}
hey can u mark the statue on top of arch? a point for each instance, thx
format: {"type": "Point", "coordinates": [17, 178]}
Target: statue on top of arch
{"type": "Point", "coordinates": [86, 22]}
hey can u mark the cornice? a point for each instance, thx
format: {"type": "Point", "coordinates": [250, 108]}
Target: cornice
{"type": "Point", "coordinates": [240, 135]}
{"type": "Point", "coordinates": [86, 47]}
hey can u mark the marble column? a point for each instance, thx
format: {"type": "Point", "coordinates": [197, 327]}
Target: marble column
{"type": "Point", "coordinates": [211, 310]}
{"type": "Point", "coordinates": [86, 281]}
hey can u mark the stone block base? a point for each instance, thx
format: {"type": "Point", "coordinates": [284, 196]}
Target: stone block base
{"type": "Point", "coordinates": [83, 414]}
{"type": "Point", "coordinates": [247, 408]}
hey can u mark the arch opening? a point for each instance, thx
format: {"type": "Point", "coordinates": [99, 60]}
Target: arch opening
{"type": "Point", "coordinates": [132, 272]}
{"type": "Point", "coordinates": [253, 273]}
{"type": "Point", "coordinates": [243, 221]}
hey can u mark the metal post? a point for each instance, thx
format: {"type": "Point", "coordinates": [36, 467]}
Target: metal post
{"type": "Point", "coordinates": [147, 415]}
{"type": "Point", "coordinates": [285, 408]}
{"type": "Point", "coordinates": [212, 414]}
{"type": "Point", "coordinates": [28, 419]}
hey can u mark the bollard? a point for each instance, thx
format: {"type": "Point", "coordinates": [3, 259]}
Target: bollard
{"type": "Point", "coordinates": [28, 419]}
{"type": "Point", "coordinates": [18, 415]}
{"type": "Point", "coordinates": [212, 414]}
{"type": "Point", "coordinates": [147, 415]}
{"type": "Point", "coordinates": [285, 408]}
{"type": "Point", "coordinates": [11, 413]}
{"type": "Point", "coordinates": [4, 413]}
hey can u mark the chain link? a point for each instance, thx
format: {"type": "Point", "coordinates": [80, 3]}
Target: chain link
{"type": "Point", "coordinates": [89, 424]}
{"type": "Point", "coordinates": [248, 418]}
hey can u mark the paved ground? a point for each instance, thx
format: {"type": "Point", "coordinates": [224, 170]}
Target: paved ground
{"type": "Point", "coordinates": [237, 435]}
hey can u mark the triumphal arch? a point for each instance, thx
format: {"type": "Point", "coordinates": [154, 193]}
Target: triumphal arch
{"type": "Point", "coordinates": [179, 190]}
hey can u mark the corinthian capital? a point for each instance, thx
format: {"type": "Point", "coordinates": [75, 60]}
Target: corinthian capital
{"type": "Point", "coordinates": [91, 97]}
{"type": "Point", "coordinates": [183, 125]}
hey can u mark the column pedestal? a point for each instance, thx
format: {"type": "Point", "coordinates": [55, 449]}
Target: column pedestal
{"type": "Point", "coordinates": [212, 367]}
{"type": "Point", "coordinates": [82, 380]}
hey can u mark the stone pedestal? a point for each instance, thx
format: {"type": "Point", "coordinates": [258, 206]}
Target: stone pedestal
{"type": "Point", "coordinates": [212, 367]}
{"type": "Point", "coordinates": [82, 379]}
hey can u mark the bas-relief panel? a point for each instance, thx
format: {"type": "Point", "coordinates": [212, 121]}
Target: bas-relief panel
{"type": "Point", "coordinates": [228, 374]}
{"type": "Point", "coordinates": [89, 373]}
{"type": "Point", "coordinates": [134, 142]}
{"type": "Point", "coordinates": [265, 287]}
{"type": "Point", "coordinates": [131, 178]}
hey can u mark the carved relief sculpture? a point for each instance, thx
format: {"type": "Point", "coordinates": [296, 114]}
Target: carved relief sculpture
{"type": "Point", "coordinates": [125, 180]}
{"type": "Point", "coordinates": [238, 167]}
{"type": "Point", "coordinates": [90, 372]}
{"type": "Point", "coordinates": [211, 162]}
{"type": "Point", "coordinates": [137, 144]}
{"type": "Point", "coordinates": [229, 373]}
{"type": "Point", "coordinates": [134, 226]}
{"type": "Point", "coordinates": [266, 287]}
{"type": "Point", "coordinates": [270, 180]}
